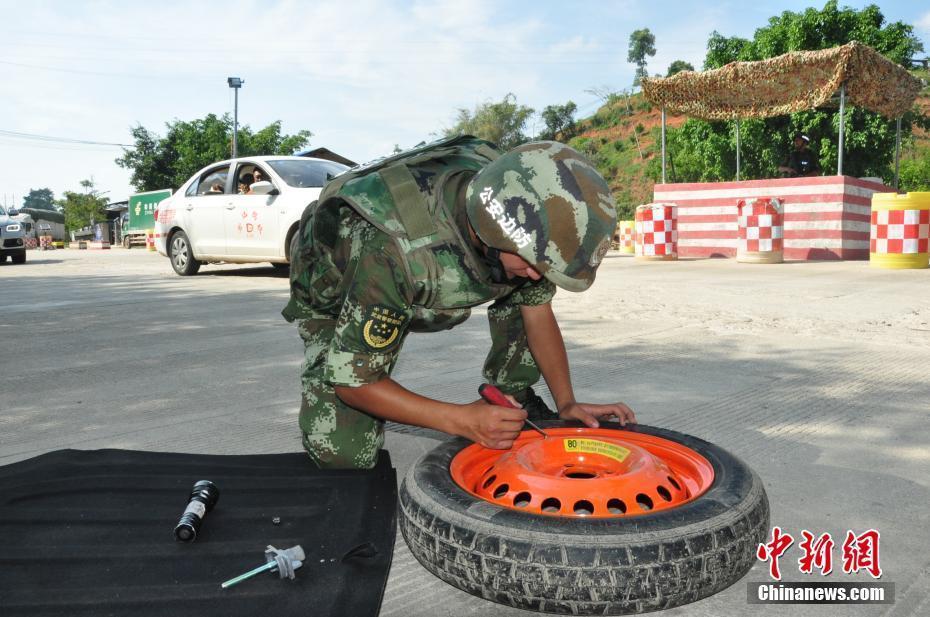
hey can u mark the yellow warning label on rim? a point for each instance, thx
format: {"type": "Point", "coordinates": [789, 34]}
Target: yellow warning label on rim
{"type": "Point", "coordinates": [595, 446]}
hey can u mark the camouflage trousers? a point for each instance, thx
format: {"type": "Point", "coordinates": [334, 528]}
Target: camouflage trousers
{"type": "Point", "coordinates": [337, 436]}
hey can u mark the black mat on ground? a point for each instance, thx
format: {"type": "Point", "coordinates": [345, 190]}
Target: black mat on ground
{"type": "Point", "coordinates": [92, 533]}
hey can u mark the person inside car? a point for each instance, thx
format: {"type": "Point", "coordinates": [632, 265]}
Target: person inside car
{"type": "Point", "coordinates": [245, 183]}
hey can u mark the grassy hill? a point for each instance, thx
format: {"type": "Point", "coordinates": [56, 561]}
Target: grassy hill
{"type": "Point", "coordinates": [623, 138]}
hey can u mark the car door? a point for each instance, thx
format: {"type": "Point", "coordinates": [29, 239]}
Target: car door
{"type": "Point", "coordinates": [251, 220]}
{"type": "Point", "coordinates": [205, 211]}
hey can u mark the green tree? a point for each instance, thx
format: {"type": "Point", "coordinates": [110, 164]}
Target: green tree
{"type": "Point", "coordinates": [499, 122]}
{"type": "Point", "coordinates": [40, 199]}
{"type": "Point", "coordinates": [559, 119]}
{"type": "Point", "coordinates": [915, 170]}
{"type": "Point", "coordinates": [706, 151]}
{"type": "Point", "coordinates": [84, 208]}
{"type": "Point", "coordinates": [166, 162]}
{"type": "Point", "coordinates": [642, 44]}
{"type": "Point", "coordinates": [831, 26]}
{"type": "Point", "coordinates": [723, 50]}
{"type": "Point", "coordinates": [678, 66]}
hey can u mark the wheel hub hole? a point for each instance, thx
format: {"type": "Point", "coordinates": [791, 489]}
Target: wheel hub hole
{"type": "Point", "coordinates": [584, 508]}
{"type": "Point", "coordinates": [580, 475]}
{"type": "Point", "coordinates": [489, 482]}
{"type": "Point", "coordinates": [664, 493]}
{"type": "Point", "coordinates": [616, 506]}
{"type": "Point", "coordinates": [551, 505]}
{"type": "Point", "coordinates": [644, 501]}
{"type": "Point", "coordinates": [522, 500]}
{"type": "Point", "coordinates": [501, 490]}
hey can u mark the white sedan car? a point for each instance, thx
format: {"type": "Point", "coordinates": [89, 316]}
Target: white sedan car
{"type": "Point", "coordinates": [239, 211]}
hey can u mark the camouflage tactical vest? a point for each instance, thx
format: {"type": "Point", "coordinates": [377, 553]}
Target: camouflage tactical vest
{"type": "Point", "coordinates": [403, 197]}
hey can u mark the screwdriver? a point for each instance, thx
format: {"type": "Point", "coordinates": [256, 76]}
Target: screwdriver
{"type": "Point", "coordinates": [492, 395]}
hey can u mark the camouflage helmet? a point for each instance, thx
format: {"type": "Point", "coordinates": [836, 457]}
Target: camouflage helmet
{"type": "Point", "coordinates": [546, 203]}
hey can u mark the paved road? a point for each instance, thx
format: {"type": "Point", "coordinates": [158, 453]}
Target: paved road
{"type": "Point", "coordinates": [815, 374]}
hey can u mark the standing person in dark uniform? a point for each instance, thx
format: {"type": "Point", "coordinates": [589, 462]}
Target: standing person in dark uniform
{"type": "Point", "coordinates": [802, 162]}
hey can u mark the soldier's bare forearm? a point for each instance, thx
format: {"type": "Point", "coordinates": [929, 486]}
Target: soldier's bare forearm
{"type": "Point", "coordinates": [489, 425]}
{"type": "Point", "coordinates": [389, 400]}
{"type": "Point", "coordinates": [548, 349]}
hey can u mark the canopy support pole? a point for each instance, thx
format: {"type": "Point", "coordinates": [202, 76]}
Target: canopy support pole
{"type": "Point", "coordinates": [897, 153]}
{"type": "Point", "coordinates": [737, 149]}
{"type": "Point", "coordinates": [839, 160]}
{"type": "Point", "coordinates": [663, 145]}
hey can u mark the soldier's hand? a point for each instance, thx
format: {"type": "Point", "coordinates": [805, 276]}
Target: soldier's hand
{"type": "Point", "coordinates": [491, 426]}
{"type": "Point", "coordinates": [590, 413]}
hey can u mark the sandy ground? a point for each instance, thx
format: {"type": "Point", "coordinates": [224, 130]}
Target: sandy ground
{"type": "Point", "coordinates": [816, 374]}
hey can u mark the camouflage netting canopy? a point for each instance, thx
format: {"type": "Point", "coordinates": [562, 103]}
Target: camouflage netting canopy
{"type": "Point", "coordinates": [787, 84]}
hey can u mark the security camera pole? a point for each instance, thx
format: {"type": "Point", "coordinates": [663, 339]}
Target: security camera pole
{"type": "Point", "coordinates": [235, 83]}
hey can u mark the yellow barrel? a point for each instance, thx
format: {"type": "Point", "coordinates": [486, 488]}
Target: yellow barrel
{"type": "Point", "coordinates": [900, 232]}
{"type": "Point", "coordinates": [623, 237]}
{"type": "Point", "coordinates": [656, 232]}
{"type": "Point", "coordinates": [150, 239]}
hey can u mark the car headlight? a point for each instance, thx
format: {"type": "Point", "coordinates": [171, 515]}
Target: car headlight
{"type": "Point", "coordinates": [14, 227]}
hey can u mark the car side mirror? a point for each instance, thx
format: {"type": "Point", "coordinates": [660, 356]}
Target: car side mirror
{"type": "Point", "coordinates": [263, 187]}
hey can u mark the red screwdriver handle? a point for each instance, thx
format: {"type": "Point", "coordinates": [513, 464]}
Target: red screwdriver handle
{"type": "Point", "coordinates": [492, 395]}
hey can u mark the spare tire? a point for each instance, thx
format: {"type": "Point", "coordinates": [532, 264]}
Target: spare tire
{"type": "Point", "coordinates": [578, 565]}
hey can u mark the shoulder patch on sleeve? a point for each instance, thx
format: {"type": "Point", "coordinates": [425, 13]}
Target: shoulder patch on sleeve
{"type": "Point", "coordinates": [382, 327]}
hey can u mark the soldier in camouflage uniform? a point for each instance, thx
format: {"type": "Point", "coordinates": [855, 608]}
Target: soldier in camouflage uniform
{"type": "Point", "coordinates": [410, 244]}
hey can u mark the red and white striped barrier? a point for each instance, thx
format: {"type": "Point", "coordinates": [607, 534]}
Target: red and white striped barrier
{"type": "Point", "coordinates": [31, 243]}
{"type": "Point", "coordinates": [657, 232]}
{"type": "Point", "coordinates": [825, 217]}
{"type": "Point", "coordinates": [760, 230]}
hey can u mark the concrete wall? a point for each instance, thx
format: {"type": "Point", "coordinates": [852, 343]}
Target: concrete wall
{"type": "Point", "coordinates": [826, 217]}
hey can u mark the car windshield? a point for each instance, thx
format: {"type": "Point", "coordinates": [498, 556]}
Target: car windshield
{"type": "Point", "coordinates": [307, 174]}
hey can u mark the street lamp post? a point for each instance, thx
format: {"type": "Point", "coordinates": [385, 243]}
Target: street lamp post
{"type": "Point", "coordinates": [235, 83]}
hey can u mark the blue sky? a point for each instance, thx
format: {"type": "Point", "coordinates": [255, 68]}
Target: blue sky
{"type": "Point", "coordinates": [361, 75]}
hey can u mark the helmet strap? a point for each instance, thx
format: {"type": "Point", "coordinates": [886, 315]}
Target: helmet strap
{"type": "Point", "coordinates": [492, 258]}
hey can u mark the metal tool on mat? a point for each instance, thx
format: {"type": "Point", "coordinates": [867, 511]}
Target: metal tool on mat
{"type": "Point", "coordinates": [495, 397]}
{"type": "Point", "coordinates": [282, 561]}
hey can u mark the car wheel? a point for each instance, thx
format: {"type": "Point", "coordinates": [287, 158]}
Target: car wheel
{"type": "Point", "coordinates": [126, 243]}
{"type": "Point", "coordinates": [292, 246]}
{"type": "Point", "coordinates": [638, 519]}
{"type": "Point", "coordinates": [19, 258]}
{"type": "Point", "coordinates": [181, 255]}
{"type": "Point", "coordinates": [2, 258]}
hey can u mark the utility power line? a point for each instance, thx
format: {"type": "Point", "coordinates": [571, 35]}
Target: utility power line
{"type": "Point", "coordinates": [64, 140]}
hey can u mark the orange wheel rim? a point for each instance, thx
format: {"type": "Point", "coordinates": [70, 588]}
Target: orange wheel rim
{"type": "Point", "coordinates": [584, 472]}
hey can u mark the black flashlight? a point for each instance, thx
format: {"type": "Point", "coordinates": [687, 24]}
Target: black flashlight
{"type": "Point", "coordinates": [203, 497]}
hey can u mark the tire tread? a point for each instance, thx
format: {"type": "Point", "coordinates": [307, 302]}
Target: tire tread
{"type": "Point", "coordinates": [670, 569]}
